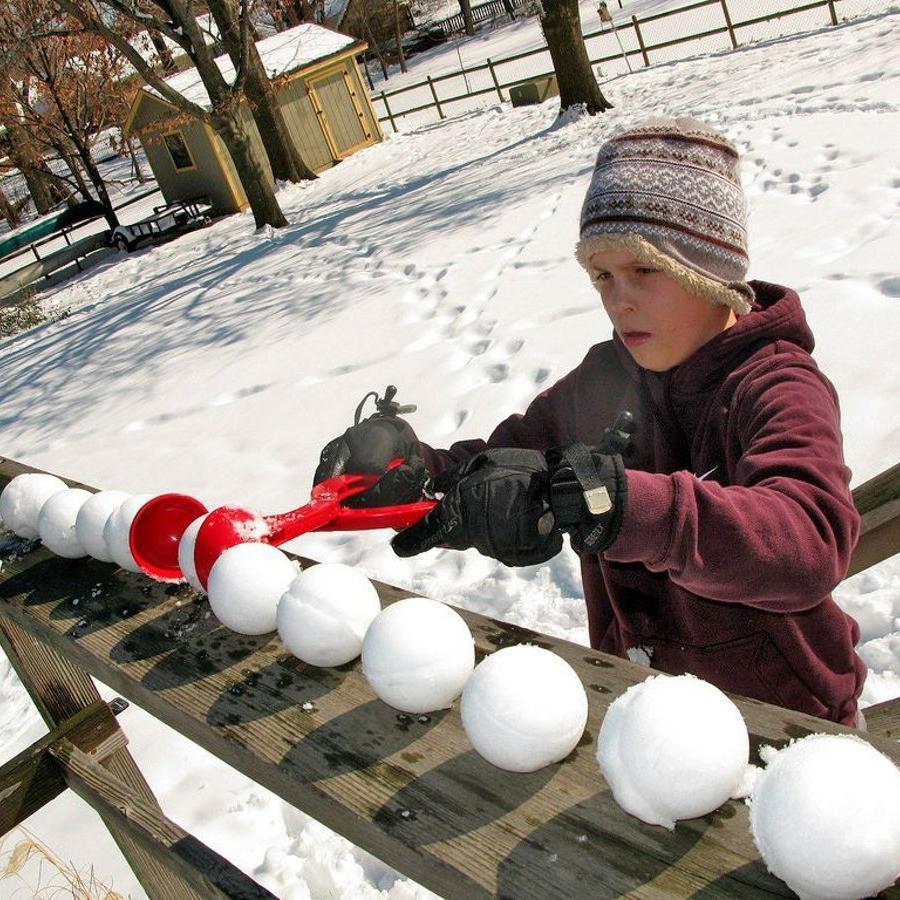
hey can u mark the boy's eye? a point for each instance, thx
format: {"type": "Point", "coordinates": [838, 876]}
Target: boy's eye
{"type": "Point", "coordinates": [646, 270]}
{"type": "Point", "coordinates": [600, 276]}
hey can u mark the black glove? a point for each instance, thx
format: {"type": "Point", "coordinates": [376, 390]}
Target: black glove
{"type": "Point", "coordinates": [588, 491]}
{"type": "Point", "coordinates": [368, 448]}
{"type": "Point", "coordinates": [497, 502]}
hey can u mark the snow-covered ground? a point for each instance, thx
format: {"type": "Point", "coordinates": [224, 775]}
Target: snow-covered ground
{"type": "Point", "coordinates": [442, 261]}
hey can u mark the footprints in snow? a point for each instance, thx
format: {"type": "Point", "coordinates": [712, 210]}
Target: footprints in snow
{"type": "Point", "coordinates": [468, 326]}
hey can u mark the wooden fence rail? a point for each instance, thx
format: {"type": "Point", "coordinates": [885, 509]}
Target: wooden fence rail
{"type": "Point", "coordinates": [409, 789]}
{"type": "Point", "coordinates": [641, 49]}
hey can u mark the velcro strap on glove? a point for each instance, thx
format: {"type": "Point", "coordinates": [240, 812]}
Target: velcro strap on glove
{"type": "Point", "coordinates": [587, 495]}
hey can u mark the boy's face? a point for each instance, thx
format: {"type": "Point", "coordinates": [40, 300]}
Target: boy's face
{"type": "Point", "coordinates": [660, 322]}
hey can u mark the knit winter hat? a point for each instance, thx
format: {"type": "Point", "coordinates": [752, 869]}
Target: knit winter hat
{"type": "Point", "coordinates": [669, 191]}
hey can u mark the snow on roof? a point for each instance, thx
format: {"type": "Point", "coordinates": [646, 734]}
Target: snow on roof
{"type": "Point", "coordinates": [281, 53]}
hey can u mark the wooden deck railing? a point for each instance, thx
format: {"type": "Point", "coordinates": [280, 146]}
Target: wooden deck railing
{"type": "Point", "coordinates": [409, 789]}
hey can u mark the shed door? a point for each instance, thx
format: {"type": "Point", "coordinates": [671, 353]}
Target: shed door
{"type": "Point", "coordinates": [339, 112]}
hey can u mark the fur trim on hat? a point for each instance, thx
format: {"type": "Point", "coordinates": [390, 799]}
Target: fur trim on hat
{"type": "Point", "coordinates": [736, 295]}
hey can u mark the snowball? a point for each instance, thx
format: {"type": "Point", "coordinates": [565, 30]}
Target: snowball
{"type": "Point", "coordinates": [417, 655]}
{"type": "Point", "coordinates": [91, 521]}
{"type": "Point", "coordinates": [825, 815]}
{"type": "Point", "coordinates": [673, 748]}
{"type": "Point", "coordinates": [524, 708]}
{"type": "Point", "coordinates": [245, 584]}
{"type": "Point", "coordinates": [324, 614]}
{"type": "Point", "coordinates": [22, 499]}
{"type": "Point", "coordinates": [186, 553]}
{"type": "Point", "coordinates": [56, 523]}
{"type": "Point", "coordinates": [118, 528]}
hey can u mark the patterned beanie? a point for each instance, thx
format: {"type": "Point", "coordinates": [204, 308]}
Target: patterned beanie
{"type": "Point", "coordinates": [669, 191]}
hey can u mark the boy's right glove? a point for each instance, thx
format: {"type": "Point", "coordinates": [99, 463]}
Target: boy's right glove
{"type": "Point", "coordinates": [368, 448]}
{"type": "Point", "coordinates": [588, 491]}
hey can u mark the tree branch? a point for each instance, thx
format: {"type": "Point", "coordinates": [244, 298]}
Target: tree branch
{"type": "Point", "coordinates": [149, 21]}
{"type": "Point", "coordinates": [140, 64]}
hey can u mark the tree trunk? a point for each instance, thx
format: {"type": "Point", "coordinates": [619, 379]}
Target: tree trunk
{"type": "Point", "coordinates": [31, 164]}
{"type": "Point", "coordinates": [468, 18]}
{"type": "Point", "coordinates": [251, 172]}
{"type": "Point", "coordinates": [83, 152]}
{"type": "Point", "coordinates": [562, 29]}
{"type": "Point", "coordinates": [291, 16]}
{"type": "Point", "coordinates": [135, 162]}
{"type": "Point", "coordinates": [397, 36]}
{"type": "Point", "coordinates": [274, 10]}
{"type": "Point", "coordinates": [284, 157]}
{"type": "Point", "coordinates": [8, 210]}
{"type": "Point", "coordinates": [72, 164]}
{"type": "Point", "coordinates": [162, 50]}
{"type": "Point", "coordinates": [373, 44]}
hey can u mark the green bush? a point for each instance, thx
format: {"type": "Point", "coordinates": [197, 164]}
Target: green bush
{"type": "Point", "coordinates": [24, 312]}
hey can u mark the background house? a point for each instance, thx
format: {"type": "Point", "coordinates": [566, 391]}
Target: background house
{"type": "Point", "coordinates": [319, 87]}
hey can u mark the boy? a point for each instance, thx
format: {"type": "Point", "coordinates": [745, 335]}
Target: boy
{"type": "Point", "coordinates": [711, 542]}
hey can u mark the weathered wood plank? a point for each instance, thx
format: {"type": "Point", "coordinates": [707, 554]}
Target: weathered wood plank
{"type": "Point", "coordinates": [409, 789]}
{"type": "Point", "coordinates": [60, 690]}
{"type": "Point", "coordinates": [32, 779]}
{"type": "Point", "coordinates": [207, 873]}
{"type": "Point", "coordinates": [883, 719]}
{"type": "Point", "coordinates": [878, 501]}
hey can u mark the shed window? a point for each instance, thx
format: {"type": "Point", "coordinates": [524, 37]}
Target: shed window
{"type": "Point", "coordinates": [181, 156]}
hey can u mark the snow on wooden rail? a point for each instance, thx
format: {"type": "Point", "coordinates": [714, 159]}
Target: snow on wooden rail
{"type": "Point", "coordinates": [409, 789]}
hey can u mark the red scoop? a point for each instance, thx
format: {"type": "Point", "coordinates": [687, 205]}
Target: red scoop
{"type": "Point", "coordinates": [157, 528]}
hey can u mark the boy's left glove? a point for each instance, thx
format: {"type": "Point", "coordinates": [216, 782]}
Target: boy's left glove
{"type": "Point", "coordinates": [497, 502]}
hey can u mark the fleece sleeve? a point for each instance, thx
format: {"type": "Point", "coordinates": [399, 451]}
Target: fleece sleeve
{"type": "Point", "coordinates": [780, 536]}
{"type": "Point", "coordinates": [547, 422]}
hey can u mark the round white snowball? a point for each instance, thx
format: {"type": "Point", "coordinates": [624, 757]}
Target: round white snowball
{"type": "Point", "coordinates": [117, 530]}
{"type": "Point", "coordinates": [825, 815]}
{"type": "Point", "coordinates": [325, 613]}
{"type": "Point", "coordinates": [524, 708]}
{"type": "Point", "coordinates": [245, 584]}
{"type": "Point", "coordinates": [22, 499]}
{"type": "Point", "coordinates": [91, 521]}
{"type": "Point", "coordinates": [186, 553]}
{"type": "Point", "coordinates": [673, 748]}
{"type": "Point", "coordinates": [417, 655]}
{"type": "Point", "coordinates": [56, 523]}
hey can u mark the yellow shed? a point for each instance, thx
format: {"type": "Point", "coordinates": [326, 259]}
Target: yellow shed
{"type": "Point", "coordinates": [319, 87]}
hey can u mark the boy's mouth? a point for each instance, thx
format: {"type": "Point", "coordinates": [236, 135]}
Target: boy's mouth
{"type": "Point", "coordinates": [635, 338]}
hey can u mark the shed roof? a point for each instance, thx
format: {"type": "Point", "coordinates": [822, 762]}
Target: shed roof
{"type": "Point", "coordinates": [281, 53]}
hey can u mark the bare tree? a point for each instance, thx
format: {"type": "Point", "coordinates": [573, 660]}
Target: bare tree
{"type": "Point", "coordinates": [561, 25]}
{"type": "Point", "coordinates": [175, 20]}
{"type": "Point", "coordinates": [64, 89]}
{"type": "Point", "coordinates": [284, 156]}
{"type": "Point", "coordinates": [378, 23]}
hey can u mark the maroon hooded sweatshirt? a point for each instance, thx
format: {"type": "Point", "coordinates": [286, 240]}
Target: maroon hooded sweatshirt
{"type": "Point", "coordinates": [739, 521]}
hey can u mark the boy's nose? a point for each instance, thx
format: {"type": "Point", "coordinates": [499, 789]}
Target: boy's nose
{"type": "Point", "coordinates": [621, 297]}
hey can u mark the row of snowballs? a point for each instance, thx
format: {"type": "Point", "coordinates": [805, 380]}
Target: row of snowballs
{"type": "Point", "coordinates": [825, 812]}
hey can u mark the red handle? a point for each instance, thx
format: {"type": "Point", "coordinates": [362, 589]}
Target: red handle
{"type": "Point", "coordinates": [324, 512]}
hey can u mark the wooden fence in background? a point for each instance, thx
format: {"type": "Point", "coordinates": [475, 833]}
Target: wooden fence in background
{"type": "Point", "coordinates": [392, 109]}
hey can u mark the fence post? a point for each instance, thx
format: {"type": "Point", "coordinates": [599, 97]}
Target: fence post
{"type": "Point", "coordinates": [731, 34]}
{"type": "Point", "coordinates": [437, 102]}
{"type": "Point", "coordinates": [637, 31]}
{"type": "Point", "coordinates": [834, 19]}
{"type": "Point", "coordinates": [387, 109]}
{"type": "Point", "coordinates": [494, 77]}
